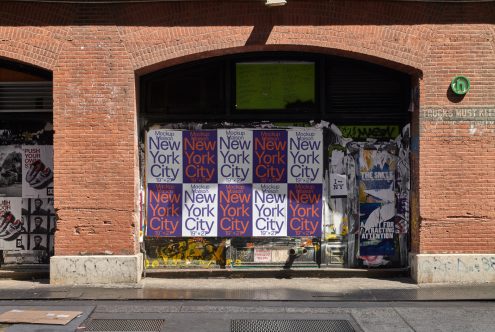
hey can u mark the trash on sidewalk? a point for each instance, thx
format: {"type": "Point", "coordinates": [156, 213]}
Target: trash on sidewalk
{"type": "Point", "coordinates": [39, 316]}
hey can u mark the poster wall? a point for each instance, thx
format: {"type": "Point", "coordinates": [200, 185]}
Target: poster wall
{"type": "Point", "coordinates": [27, 220]}
{"type": "Point", "coordinates": [234, 183]}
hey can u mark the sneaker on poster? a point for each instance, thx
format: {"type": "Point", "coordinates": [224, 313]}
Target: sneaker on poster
{"type": "Point", "coordinates": [39, 176]}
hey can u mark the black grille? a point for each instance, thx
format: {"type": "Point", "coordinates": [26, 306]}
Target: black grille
{"type": "Point", "coordinates": [295, 325]}
{"type": "Point", "coordinates": [118, 325]}
{"type": "Point", "coordinates": [26, 96]}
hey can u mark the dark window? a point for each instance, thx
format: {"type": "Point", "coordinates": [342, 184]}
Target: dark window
{"type": "Point", "coordinates": [185, 91]}
{"type": "Point", "coordinates": [277, 86]}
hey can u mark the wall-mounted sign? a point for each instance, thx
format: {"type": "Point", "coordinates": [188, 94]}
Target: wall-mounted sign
{"type": "Point", "coordinates": [460, 85]}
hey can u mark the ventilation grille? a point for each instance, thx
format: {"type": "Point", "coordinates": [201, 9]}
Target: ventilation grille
{"type": "Point", "coordinates": [118, 325]}
{"type": "Point", "coordinates": [296, 325]}
{"type": "Point", "coordinates": [26, 96]}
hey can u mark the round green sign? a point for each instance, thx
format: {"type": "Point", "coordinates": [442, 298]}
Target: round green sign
{"type": "Point", "coordinates": [460, 85]}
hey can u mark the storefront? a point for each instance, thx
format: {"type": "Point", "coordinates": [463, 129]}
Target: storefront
{"type": "Point", "coordinates": [394, 100]}
{"type": "Point", "coordinates": [27, 216]}
{"type": "Point", "coordinates": [276, 159]}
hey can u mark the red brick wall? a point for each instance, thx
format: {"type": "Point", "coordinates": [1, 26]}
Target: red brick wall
{"type": "Point", "coordinates": [96, 51]}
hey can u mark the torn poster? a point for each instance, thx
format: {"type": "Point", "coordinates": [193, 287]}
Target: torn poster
{"type": "Point", "coordinates": [377, 201]}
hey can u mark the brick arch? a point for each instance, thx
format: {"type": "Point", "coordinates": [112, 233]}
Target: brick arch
{"type": "Point", "coordinates": [30, 53]}
{"type": "Point", "coordinates": [406, 68]}
{"type": "Point", "coordinates": [162, 32]}
{"type": "Point", "coordinates": [33, 34]}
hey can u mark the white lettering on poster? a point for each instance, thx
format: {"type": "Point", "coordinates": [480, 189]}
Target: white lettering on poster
{"type": "Point", "coordinates": [305, 156]}
{"type": "Point", "coordinates": [199, 212]}
{"type": "Point", "coordinates": [270, 209]}
{"type": "Point", "coordinates": [164, 156]}
{"type": "Point", "coordinates": [235, 156]}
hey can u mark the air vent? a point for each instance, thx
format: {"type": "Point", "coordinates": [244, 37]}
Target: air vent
{"type": "Point", "coordinates": [26, 97]}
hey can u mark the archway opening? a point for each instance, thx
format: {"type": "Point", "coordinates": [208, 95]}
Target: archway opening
{"type": "Point", "coordinates": [316, 145]}
{"type": "Point", "coordinates": [27, 216]}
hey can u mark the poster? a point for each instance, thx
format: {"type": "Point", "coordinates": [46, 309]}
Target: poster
{"type": "Point", "coordinates": [377, 202]}
{"type": "Point", "coordinates": [11, 171]}
{"type": "Point", "coordinates": [164, 156]}
{"type": "Point", "coordinates": [235, 210]}
{"type": "Point", "coordinates": [305, 156]}
{"type": "Point", "coordinates": [200, 209]}
{"type": "Point", "coordinates": [200, 156]}
{"type": "Point", "coordinates": [338, 185]}
{"type": "Point", "coordinates": [235, 156]}
{"type": "Point", "coordinates": [12, 225]}
{"type": "Point", "coordinates": [305, 209]}
{"type": "Point", "coordinates": [164, 209]}
{"type": "Point", "coordinates": [270, 156]}
{"type": "Point", "coordinates": [270, 209]}
{"type": "Point", "coordinates": [37, 171]}
{"type": "Point", "coordinates": [262, 255]}
{"type": "Point", "coordinates": [377, 229]}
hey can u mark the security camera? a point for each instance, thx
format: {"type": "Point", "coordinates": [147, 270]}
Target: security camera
{"type": "Point", "coordinates": [274, 3]}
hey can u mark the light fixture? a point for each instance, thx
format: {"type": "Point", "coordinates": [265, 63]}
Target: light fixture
{"type": "Point", "coordinates": [275, 3]}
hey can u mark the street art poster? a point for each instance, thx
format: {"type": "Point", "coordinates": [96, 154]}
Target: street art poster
{"type": "Point", "coordinates": [12, 225]}
{"type": "Point", "coordinates": [164, 209]}
{"type": "Point", "coordinates": [11, 171]}
{"type": "Point", "coordinates": [235, 210]}
{"type": "Point", "coordinates": [164, 157]}
{"type": "Point", "coordinates": [305, 156]}
{"type": "Point", "coordinates": [235, 156]}
{"type": "Point", "coordinates": [200, 156]}
{"type": "Point", "coordinates": [200, 209]}
{"type": "Point", "coordinates": [270, 209]}
{"type": "Point", "coordinates": [37, 171]}
{"type": "Point", "coordinates": [270, 156]}
{"type": "Point", "coordinates": [377, 203]}
{"type": "Point", "coordinates": [305, 209]}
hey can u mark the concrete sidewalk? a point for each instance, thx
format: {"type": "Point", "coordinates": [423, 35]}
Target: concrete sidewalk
{"type": "Point", "coordinates": [215, 304]}
{"type": "Point", "coordinates": [260, 289]}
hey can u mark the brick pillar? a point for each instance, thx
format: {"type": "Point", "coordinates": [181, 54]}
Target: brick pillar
{"type": "Point", "coordinates": [95, 144]}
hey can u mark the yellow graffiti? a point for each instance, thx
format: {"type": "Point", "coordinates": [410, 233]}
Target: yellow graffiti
{"type": "Point", "coordinates": [189, 252]}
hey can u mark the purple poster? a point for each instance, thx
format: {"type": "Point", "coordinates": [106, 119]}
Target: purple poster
{"type": "Point", "coordinates": [270, 156]}
{"type": "Point", "coordinates": [164, 210]}
{"type": "Point", "coordinates": [200, 156]}
{"type": "Point", "coordinates": [235, 210]}
{"type": "Point", "coordinates": [305, 209]}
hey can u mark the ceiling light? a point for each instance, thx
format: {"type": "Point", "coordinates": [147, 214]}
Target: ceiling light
{"type": "Point", "coordinates": [274, 3]}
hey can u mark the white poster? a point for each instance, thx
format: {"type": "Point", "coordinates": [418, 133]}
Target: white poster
{"type": "Point", "coordinates": [37, 171]}
{"type": "Point", "coordinates": [10, 171]}
{"type": "Point", "coordinates": [269, 209]}
{"type": "Point", "coordinates": [262, 255]}
{"type": "Point", "coordinates": [199, 209]}
{"type": "Point", "coordinates": [12, 225]}
{"type": "Point", "coordinates": [164, 156]}
{"type": "Point", "coordinates": [338, 185]}
{"type": "Point", "coordinates": [305, 159]}
{"type": "Point", "coordinates": [235, 156]}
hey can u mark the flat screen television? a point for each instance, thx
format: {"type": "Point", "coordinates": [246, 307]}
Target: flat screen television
{"type": "Point", "coordinates": [275, 85]}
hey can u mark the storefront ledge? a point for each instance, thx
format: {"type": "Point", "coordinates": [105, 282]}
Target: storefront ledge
{"type": "Point", "coordinates": [453, 268]}
{"type": "Point", "coordinates": [278, 273]}
{"type": "Point", "coordinates": [85, 270]}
